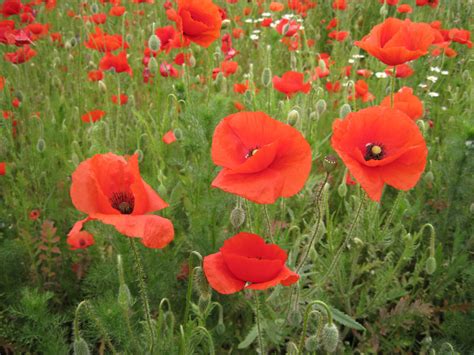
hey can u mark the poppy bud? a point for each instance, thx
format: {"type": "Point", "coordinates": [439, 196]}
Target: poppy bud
{"type": "Point", "coordinates": [293, 117]}
{"type": "Point", "coordinates": [67, 45]}
{"type": "Point", "coordinates": [358, 242]}
{"type": "Point", "coordinates": [153, 65]}
{"type": "Point", "coordinates": [430, 266]}
{"type": "Point", "coordinates": [285, 29]}
{"type": "Point", "coordinates": [154, 42]}
{"type": "Point", "coordinates": [139, 152]}
{"type": "Point", "coordinates": [220, 329]}
{"type": "Point", "coordinates": [344, 110]}
{"type": "Point", "coordinates": [295, 318]}
{"type": "Point", "coordinates": [429, 177]}
{"type": "Point", "coordinates": [203, 303]}
{"type": "Point", "coordinates": [73, 42]}
{"type": "Point", "coordinates": [311, 343]}
{"type": "Point", "coordinates": [406, 237]}
{"type": "Point", "coordinates": [266, 77]}
{"type": "Point", "coordinates": [192, 61]}
{"type": "Point", "coordinates": [41, 145]}
{"type": "Point", "coordinates": [329, 163]}
{"type": "Point", "coordinates": [124, 297]}
{"type": "Point", "coordinates": [314, 116]}
{"type": "Point", "coordinates": [293, 62]}
{"type": "Point", "coordinates": [129, 38]}
{"type": "Point", "coordinates": [237, 217]}
{"type": "Point", "coordinates": [94, 8]}
{"type": "Point", "coordinates": [342, 189]}
{"type": "Point", "coordinates": [466, 75]}
{"type": "Point", "coordinates": [291, 348]}
{"type": "Point", "coordinates": [321, 106]}
{"type": "Point", "coordinates": [75, 159]}
{"type": "Point", "coordinates": [422, 125]}
{"type": "Point", "coordinates": [200, 284]}
{"type": "Point", "coordinates": [322, 65]}
{"type": "Point", "coordinates": [102, 86]}
{"type": "Point", "coordinates": [80, 347]}
{"type": "Point", "coordinates": [225, 23]}
{"type": "Point", "coordinates": [178, 133]}
{"type": "Point", "coordinates": [329, 337]}
{"type": "Point", "coordinates": [384, 10]}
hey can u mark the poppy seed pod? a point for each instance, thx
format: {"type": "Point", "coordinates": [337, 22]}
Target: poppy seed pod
{"type": "Point", "coordinates": [154, 43]}
{"type": "Point", "coordinates": [330, 337]}
{"type": "Point", "coordinates": [429, 177]}
{"type": "Point", "coordinates": [237, 217]}
{"type": "Point", "coordinates": [80, 347]}
{"type": "Point", "coordinates": [430, 266]}
{"type": "Point", "coordinates": [329, 163]}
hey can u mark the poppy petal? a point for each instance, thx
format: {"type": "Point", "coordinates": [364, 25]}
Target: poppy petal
{"type": "Point", "coordinates": [219, 276]}
{"type": "Point", "coordinates": [286, 277]}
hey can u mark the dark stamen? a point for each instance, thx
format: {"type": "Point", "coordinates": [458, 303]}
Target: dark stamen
{"type": "Point", "coordinates": [374, 151]}
{"type": "Point", "coordinates": [251, 153]}
{"type": "Point", "coordinates": [124, 202]}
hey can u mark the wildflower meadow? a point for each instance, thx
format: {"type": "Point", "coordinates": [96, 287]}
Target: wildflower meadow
{"type": "Point", "coordinates": [236, 177]}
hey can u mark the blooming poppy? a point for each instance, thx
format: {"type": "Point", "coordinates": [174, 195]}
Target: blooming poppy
{"type": "Point", "coordinates": [95, 75]}
{"type": "Point", "coordinates": [245, 261]}
{"type": "Point", "coordinates": [362, 92]}
{"type": "Point", "coordinates": [287, 28]}
{"type": "Point", "coordinates": [199, 21]}
{"type": "Point", "coordinates": [3, 168]}
{"type": "Point", "coordinates": [262, 158]}
{"type": "Point", "coordinates": [405, 101]}
{"type": "Point", "coordinates": [167, 70]}
{"type": "Point", "coordinates": [109, 188]}
{"type": "Point", "coordinates": [22, 55]}
{"type": "Point", "coordinates": [117, 62]}
{"type": "Point", "coordinates": [290, 83]}
{"type": "Point", "coordinates": [34, 214]}
{"type": "Point", "coordinates": [121, 99]}
{"type": "Point", "coordinates": [338, 35]}
{"type": "Point", "coordinates": [92, 116]}
{"type": "Point", "coordinates": [339, 4]}
{"type": "Point", "coordinates": [241, 88]}
{"type": "Point", "coordinates": [401, 71]}
{"type": "Point", "coordinates": [395, 42]}
{"type": "Point", "coordinates": [104, 42]}
{"type": "Point", "coordinates": [460, 36]}
{"type": "Point", "coordinates": [276, 6]}
{"type": "Point", "coordinates": [389, 2]}
{"type": "Point", "coordinates": [80, 240]}
{"type": "Point", "coordinates": [432, 3]}
{"type": "Point", "coordinates": [169, 137]}
{"type": "Point", "coordinates": [10, 8]}
{"type": "Point", "coordinates": [380, 145]}
{"type": "Point", "coordinates": [405, 9]}
{"type": "Point", "coordinates": [169, 38]}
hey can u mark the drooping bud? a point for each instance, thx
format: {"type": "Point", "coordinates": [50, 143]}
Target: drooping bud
{"type": "Point", "coordinates": [311, 343]}
{"type": "Point", "coordinates": [329, 163]}
{"type": "Point", "coordinates": [200, 284]}
{"type": "Point", "coordinates": [41, 145]}
{"type": "Point", "coordinates": [154, 42]}
{"type": "Point", "coordinates": [293, 117]}
{"type": "Point", "coordinates": [295, 318]}
{"type": "Point", "coordinates": [80, 347]}
{"type": "Point", "coordinates": [237, 217]}
{"type": "Point", "coordinates": [429, 177]}
{"type": "Point", "coordinates": [102, 86]}
{"type": "Point", "coordinates": [321, 106]}
{"type": "Point", "coordinates": [344, 110]}
{"type": "Point", "coordinates": [330, 337]}
{"type": "Point", "coordinates": [430, 266]}
{"type": "Point", "coordinates": [291, 348]}
{"type": "Point", "coordinates": [139, 152]}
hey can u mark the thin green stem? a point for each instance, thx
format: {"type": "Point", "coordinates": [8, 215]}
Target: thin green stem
{"type": "Point", "coordinates": [392, 86]}
{"type": "Point", "coordinates": [344, 244]}
{"type": "Point", "coordinates": [257, 320]}
{"type": "Point", "coordinates": [143, 292]}
{"type": "Point", "coordinates": [189, 291]}
{"type": "Point", "coordinates": [269, 225]}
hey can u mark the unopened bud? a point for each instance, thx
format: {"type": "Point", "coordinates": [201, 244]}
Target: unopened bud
{"type": "Point", "coordinates": [430, 266]}
{"type": "Point", "coordinates": [321, 106]}
{"type": "Point", "coordinates": [295, 318]}
{"type": "Point", "coordinates": [322, 65]}
{"type": "Point", "coordinates": [153, 65]}
{"type": "Point", "coordinates": [344, 110]}
{"type": "Point", "coordinates": [41, 145]}
{"type": "Point", "coordinates": [102, 86]}
{"type": "Point", "coordinates": [80, 347]}
{"type": "Point", "coordinates": [342, 189]}
{"type": "Point", "coordinates": [330, 337]}
{"type": "Point", "coordinates": [266, 77]}
{"type": "Point", "coordinates": [154, 42]}
{"type": "Point", "coordinates": [237, 217]}
{"type": "Point", "coordinates": [124, 297]}
{"type": "Point", "coordinates": [203, 303]}
{"type": "Point", "coordinates": [293, 117]}
{"type": "Point", "coordinates": [429, 177]}
{"type": "Point", "coordinates": [329, 163]}
{"type": "Point", "coordinates": [291, 348]}
{"type": "Point", "coordinates": [311, 343]}
{"type": "Point", "coordinates": [200, 284]}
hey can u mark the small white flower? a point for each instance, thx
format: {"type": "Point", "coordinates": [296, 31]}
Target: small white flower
{"type": "Point", "coordinates": [254, 37]}
{"type": "Point", "coordinates": [266, 14]}
{"type": "Point", "coordinates": [444, 108]}
{"type": "Point", "coordinates": [445, 72]}
{"type": "Point", "coordinates": [351, 61]}
{"type": "Point", "coordinates": [248, 20]}
{"type": "Point", "coordinates": [436, 69]}
{"type": "Point", "coordinates": [358, 56]}
{"type": "Point", "coordinates": [433, 94]}
{"type": "Point", "coordinates": [423, 86]}
{"type": "Point", "coordinates": [256, 31]}
{"type": "Point", "coordinates": [381, 75]}
{"type": "Point", "coordinates": [432, 78]}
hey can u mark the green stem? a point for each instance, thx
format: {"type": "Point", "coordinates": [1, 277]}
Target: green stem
{"type": "Point", "coordinates": [143, 292]}
{"type": "Point", "coordinates": [269, 225]}
{"type": "Point", "coordinates": [318, 222]}
{"type": "Point", "coordinates": [257, 319]}
{"type": "Point", "coordinates": [306, 318]}
{"type": "Point", "coordinates": [392, 86]}
{"type": "Point", "coordinates": [189, 291]}
{"type": "Point", "coordinates": [344, 244]}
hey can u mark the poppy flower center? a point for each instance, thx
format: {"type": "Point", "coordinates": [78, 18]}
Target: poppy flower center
{"type": "Point", "coordinates": [124, 202]}
{"type": "Point", "coordinates": [251, 153]}
{"type": "Point", "coordinates": [374, 151]}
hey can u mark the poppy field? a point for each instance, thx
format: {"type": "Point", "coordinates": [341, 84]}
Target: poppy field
{"type": "Point", "coordinates": [236, 177]}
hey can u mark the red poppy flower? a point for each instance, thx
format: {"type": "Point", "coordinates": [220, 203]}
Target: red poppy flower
{"type": "Point", "coordinates": [228, 68]}
{"type": "Point", "coordinates": [169, 137]}
{"type": "Point", "coordinates": [460, 36]}
{"type": "Point", "coordinates": [99, 19]}
{"type": "Point", "coordinates": [2, 82]}
{"type": "Point", "coordinates": [3, 168]}
{"type": "Point", "coordinates": [401, 71]}
{"type": "Point", "coordinates": [245, 261]}
{"type": "Point", "coordinates": [169, 38]}
{"type": "Point", "coordinates": [339, 4]}
{"type": "Point", "coordinates": [241, 88]}
{"type": "Point", "coordinates": [338, 35]}
{"type": "Point", "coordinates": [117, 11]}
{"type": "Point", "coordinates": [95, 75]}
{"type": "Point", "coordinates": [276, 6]}
{"type": "Point", "coordinates": [104, 42]}
{"type": "Point", "coordinates": [121, 99]}
{"type": "Point", "coordinates": [362, 92]}
{"type": "Point", "coordinates": [92, 116]}
{"type": "Point", "coordinates": [109, 188]}
{"type": "Point", "coordinates": [405, 9]}
{"type": "Point", "coordinates": [167, 70]}
{"type": "Point", "coordinates": [22, 55]}
{"type": "Point", "coordinates": [199, 21]}
{"type": "Point", "coordinates": [405, 101]}
{"type": "Point", "coordinates": [395, 42]}
{"type": "Point", "coordinates": [80, 240]}
{"type": "Point", "coordinates": [389, 2]}
{"type": "Point", "coordinates": [262, 158]}
{"type": "Point", "coordinates": [10, 8]}
{"type": "Point", "coordinates": [380, 145]}
{"type": "Point", "coordinates": [117, 62]}
{"type": "Point", "coordinates": [432, 3]}
{"type": "Point", "coordinates": [287, 28]}
{"type": "Point", "coordinates": [34, 214]}
{"type": "Point", "coordinates": [290, 83]}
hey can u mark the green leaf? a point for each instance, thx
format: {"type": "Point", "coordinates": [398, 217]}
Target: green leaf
{"type": "Point", "coordinates": [249, 339]}
{"type": "Point", "coordinates": [346, 320]}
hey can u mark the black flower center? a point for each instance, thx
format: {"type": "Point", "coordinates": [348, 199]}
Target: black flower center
{"type": "Point", "coordinates": [124, 202]}
{"type": "Point", "coordinates": [374, 151]}
{"type": "Point", "coordinates": [251, 153]}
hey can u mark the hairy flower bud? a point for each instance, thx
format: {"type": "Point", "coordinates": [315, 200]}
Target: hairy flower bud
{"type": "Point", "coordinates": [330, 337]}
{"type": "Point", "coordinates": [295, 318]}
{"type": "Point", "coordinates": [344, 110]}
{"type": "Point", "coordinates": [267, 77]}
{"type": "Point", "coordinates": [41, 145]}
{"type": "Point", "coordinates": [430, 266]}
{"type": "Point", "coordinates": [311, 343]}
{"type": "Point", "coordinates": [237, 217]}
{"type": "Point", "coordinates": [154, 42]}
{"type": "Point", "coordinates": [80, 347]}
{"type": "Point", "coordinates": [321, 106]}
{"type": "Point", "coordinates": [342, 189]}
{"type": "Point", "coordinates": [293, 117]}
